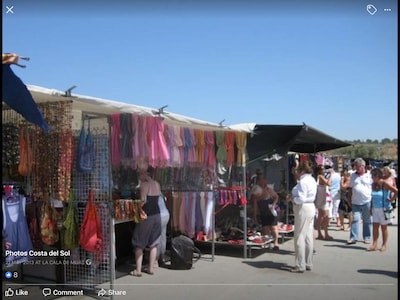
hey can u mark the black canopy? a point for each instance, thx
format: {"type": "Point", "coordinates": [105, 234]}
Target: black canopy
{"type": "Point", "coordinates": [269, 139]}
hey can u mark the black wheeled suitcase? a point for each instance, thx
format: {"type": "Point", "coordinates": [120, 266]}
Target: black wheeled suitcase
{"type": "Point", "coordinates": [183, 253]}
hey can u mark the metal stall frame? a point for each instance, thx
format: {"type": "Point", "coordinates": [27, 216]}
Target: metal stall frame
{"type": "Point", "coordinates": [98, 289]}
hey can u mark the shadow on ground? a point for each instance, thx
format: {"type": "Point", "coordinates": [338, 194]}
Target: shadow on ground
{"type": "Point", "coordinates": [379, 272]}
{"type": "Point", "coordinates": [267, 264]}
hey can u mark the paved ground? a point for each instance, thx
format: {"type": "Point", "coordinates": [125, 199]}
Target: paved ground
{"type": "Point", "coordinates": [340, 271]}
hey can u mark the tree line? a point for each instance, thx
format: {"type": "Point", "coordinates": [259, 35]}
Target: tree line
{"type": "Point", "coordinates": [384, 149]}
{"type": "Point", "coordinates": [369, 141]}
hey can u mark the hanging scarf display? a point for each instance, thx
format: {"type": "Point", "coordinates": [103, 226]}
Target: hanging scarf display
{"type": "Point", "coordinates": [53, 152]}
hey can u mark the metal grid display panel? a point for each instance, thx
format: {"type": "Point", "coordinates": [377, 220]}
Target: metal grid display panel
{"type": "Point", "coordinates": [86, 269]}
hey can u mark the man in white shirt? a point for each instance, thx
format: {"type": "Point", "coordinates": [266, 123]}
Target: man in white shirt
{"type": "Point", "coordinates": [360, 189]}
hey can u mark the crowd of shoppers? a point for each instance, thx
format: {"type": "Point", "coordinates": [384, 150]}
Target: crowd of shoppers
{"type": "Point", "coordinates": [365, 196]}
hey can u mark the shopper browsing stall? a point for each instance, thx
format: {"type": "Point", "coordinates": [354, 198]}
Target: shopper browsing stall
{"type": "Point", "coordinates": [265, 201]}
{"type": "Point", "coordinates": [147, 233]}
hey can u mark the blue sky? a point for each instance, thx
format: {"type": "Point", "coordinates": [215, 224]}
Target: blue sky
{"type": "Point", "coordinates": [332, 66]}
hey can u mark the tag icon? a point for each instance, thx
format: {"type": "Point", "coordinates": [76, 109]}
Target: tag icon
{"type": "Point", "coordinates": [371, 9]}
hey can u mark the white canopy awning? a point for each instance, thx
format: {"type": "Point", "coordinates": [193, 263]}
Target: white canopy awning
{"type": "Point", "coordinates": [103, 106]}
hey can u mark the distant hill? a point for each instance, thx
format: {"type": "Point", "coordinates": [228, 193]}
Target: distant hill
{"type": "Point", "coordinates": [374, 150]}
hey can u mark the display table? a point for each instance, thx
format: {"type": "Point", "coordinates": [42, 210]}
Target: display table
{"type": "Point", "coordinates": [284, 230]}
{"type": "Point", "coordinates": [250, 245]}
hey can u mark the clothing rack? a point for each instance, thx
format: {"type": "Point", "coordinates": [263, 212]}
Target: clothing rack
{"type": "Point", "coordinates": [213, 191]}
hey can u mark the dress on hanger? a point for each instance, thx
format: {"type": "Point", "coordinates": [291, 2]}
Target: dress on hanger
{"type": "Point", "coordinates": [15, 229]}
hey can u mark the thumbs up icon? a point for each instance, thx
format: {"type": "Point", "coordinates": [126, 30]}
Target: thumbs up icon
{"type": "Point", "coordinates": [9, 293]}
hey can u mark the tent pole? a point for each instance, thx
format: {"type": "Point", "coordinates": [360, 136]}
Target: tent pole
{"type": "Point", "coordinates": [213, 229]}
{"type": "Point", "coordinates": [112, 249]}
{"type": "Point", "coordinates": [244, 190]}
{"type": "Point", "coordinates": [286, 161]}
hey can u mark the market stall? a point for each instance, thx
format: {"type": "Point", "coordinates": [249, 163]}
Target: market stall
{"type": "Point", "coordinates": [274, 148]}
{"type": "Point", "coordinates": [91, 155]}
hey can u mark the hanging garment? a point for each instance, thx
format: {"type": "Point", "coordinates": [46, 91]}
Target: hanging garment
{"type": "Point", "coordinates": [189, 147]}
{"type": "Point", "coordinates": [199, 223]}
{"type": "Point", "coordinates": [48, 227]}
{"type": "Point", "coordinates": [200, 145]}
{"type": "Point", "coordinates": [90, 235]}
{"type": "Point", "coordinates": [70, 237]}
{"type": "Point", "coordinates": [134, 129]}
{"type": "Point", "coordinates": [230, 147]}
{"type": "Point", "coordinates": [221, 151]}
{"type": "Point", "coordinates": [15, 229]}
{"type": "Point", "coordinates": [178, 147]}
{"type": "Point", "coordinates": [32, 218]}
{"type": "Point", "coordinates": [209, 215]}
{"type": "Point", "coordinates": [86, 160]}
{"type": "Point", "coordinates": [17, 96]}
{"type": "Point", "coordinates": [241, 142]}
{"type": "Point", "coordinates": [211, 160]}
{"type": "Point", "coordinates": [173, 142]}
{"type": "Point", "coordinates": [176, 208]}
{"type": "Point", "coordinates": [115, 139]}
{"type": "Point", "coordinates": [158, 151]}
{"type": "Point", "coordinates": [127, 136]}
{"type": "Point", "coordinates": [139, 140]}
